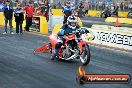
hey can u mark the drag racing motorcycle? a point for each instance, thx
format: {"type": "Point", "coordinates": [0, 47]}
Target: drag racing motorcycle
{"type": "Point", "coordinates": [73, 48]}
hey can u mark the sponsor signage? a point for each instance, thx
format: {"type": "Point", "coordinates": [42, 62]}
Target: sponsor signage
{"type": "Point", "coordinates": [113, 38]}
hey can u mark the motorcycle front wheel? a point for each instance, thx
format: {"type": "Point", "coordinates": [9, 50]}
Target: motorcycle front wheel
{"type": "Point", "coordinates": [85, 56]}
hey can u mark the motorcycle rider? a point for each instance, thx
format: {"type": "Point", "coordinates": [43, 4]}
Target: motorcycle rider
{"type": "Point", "coordinates": [70, 27]}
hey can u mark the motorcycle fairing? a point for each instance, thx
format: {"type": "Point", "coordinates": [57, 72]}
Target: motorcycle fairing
{"type": "Point", "coordinates": [53, 40]}
{"type": "Point", "coordinates": [80, 45]}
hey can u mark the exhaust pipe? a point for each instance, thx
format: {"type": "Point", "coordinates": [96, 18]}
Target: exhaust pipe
{"type": "Point", "coordinates": [73, 56]}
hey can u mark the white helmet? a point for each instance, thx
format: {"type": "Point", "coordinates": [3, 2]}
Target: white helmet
{"type": "Point", "coordinates": [72, 22]}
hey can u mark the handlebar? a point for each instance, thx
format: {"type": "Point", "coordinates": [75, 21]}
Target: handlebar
{"type": "Point", "coordinates": [78, 32]}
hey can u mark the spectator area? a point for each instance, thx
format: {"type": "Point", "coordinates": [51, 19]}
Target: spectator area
{"type": "Point", "coordinates": [43, 23]}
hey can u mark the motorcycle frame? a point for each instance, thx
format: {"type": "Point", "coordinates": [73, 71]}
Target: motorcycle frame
{"type": "Point", "coordinates": [53, 41]}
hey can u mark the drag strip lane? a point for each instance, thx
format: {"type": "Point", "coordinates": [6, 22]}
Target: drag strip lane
{"type": "Point", "coordinates": [20, 68]}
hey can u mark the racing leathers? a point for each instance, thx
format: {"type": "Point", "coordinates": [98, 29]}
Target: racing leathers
{"type": "Point", "coordinates": [64, 30]}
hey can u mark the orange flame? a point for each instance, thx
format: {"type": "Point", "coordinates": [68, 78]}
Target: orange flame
{"type": "Point", "coordinates": [81, 71]}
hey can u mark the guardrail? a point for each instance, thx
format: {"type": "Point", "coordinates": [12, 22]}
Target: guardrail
{"type": "Point", "coordinates": [93, 13]}
{"type": "Point", "coordinates": [98, 13]}
{"type": "Point", "coordinates": [121, 20]}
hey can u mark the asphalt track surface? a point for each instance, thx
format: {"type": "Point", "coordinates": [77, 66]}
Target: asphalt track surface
{"type": "Point", "coordinates": [21, 68]}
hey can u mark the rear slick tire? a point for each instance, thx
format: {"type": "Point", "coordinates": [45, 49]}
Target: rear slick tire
{"type": "Point", "coordinates": [86, 56]}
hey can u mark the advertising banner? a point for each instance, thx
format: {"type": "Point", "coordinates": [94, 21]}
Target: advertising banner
{"type": "Point", "coordinates": [113, 38]}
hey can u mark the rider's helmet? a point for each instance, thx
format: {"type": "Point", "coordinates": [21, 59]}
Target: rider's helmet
{"type": "Point", "coordinates": [72, 22]}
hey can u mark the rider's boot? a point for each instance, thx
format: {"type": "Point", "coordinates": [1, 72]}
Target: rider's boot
{"type": "Point", "coordinates": [55, 54]}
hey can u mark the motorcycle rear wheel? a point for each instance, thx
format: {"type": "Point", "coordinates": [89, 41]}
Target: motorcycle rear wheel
{"type": "Point", "coordinates": [85, 56]}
